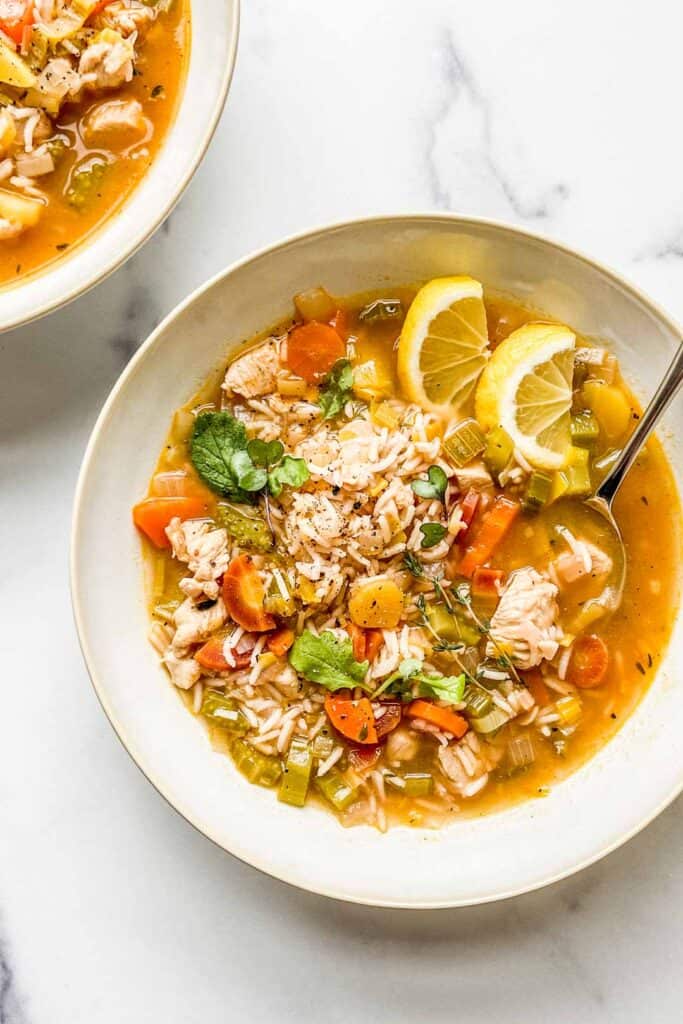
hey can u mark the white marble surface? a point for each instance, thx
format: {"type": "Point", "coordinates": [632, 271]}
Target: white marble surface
{"type": "Point", "coordinates": [562, 118]}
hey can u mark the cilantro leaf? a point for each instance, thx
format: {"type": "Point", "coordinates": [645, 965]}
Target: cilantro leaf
{"type": "Point", "coordinates": [327, 661]}
{"type": "Point", "coordinates": [265, 453]}
{"type": "Point", "coordinates": [336, 389]}
{"type": "Point", "coordinates": [292, 472]}
{"type": "Point", "coordinates": [432, 534]}
{"type": "Point", "coordinates": [216, 438]}
{"type": "Point", "coordinates": [434, 486]}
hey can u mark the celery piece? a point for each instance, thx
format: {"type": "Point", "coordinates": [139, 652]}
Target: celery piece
{"type": "Point", "coordinates": [84, 184]}
{"type": "Point", "coordinates": [323, 745]}
{"type": "Point", "coordinates": [249, 529]}
{"type": "Point", "coordinates": [297, 774]}
{"type": "Point", "coordinates": [498, 451]}
{"type": "Point", "coordinates": [412, 783]}
{"type": "Point", "coordinates": [223, 711]}
{"type": "Point", "coordinates": [279, 599]}
{"type": "Point", "coordinates": [451, 627]}
{"type": "Point", "coordinates": [478, 701]}
{"type": "Point", "coordinates": [569, 709]}
{"type": "Point", "coordinates": [584, 429]}
{"type": "Point", "coordinates": [520, 751]}
{"type": "Point", "coordinates": [464, 443]}
{"type": "Point", "coordinates": [335, 789]}
{"type": "Point", "coordinates": [538, 490]}
{"type": "Point", "coordinates": [381, 309]}
{"type": "Point", "coordinates": [577, 472]}
{"type": "Point", "coordinates": [256, 767]}
{"type": "Point", "coordinates": [490, 722]}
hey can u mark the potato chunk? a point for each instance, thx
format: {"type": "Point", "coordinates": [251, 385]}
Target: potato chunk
{"type": "Point", "coordinates": [376, 605]}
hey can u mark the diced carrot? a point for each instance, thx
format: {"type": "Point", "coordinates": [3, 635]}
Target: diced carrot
{"type": "Point", "coordinates": [468, 508]}
{"type": "Point", "coordinates": [243, 595]}
{"type": "Point", "coordinates": [280, 641]}
{"type": "Point", "coordinates": [374, 638]}
{"type": "Point", "coordinates": [352, 718]}
{"type": "Point", "coordinates": [340, 323]}
{"type": "Point", "coordinates": [313, 349]}
{"type": "Point", "coordinates": [588, 662]}
{"type": "Point", "coordinates": [494, 526]}
{"type": "Point", "coordinates": [536, 687]}
{"type": "Point", "coordinates": [15, 18]}
{"type": "Point", "coordinates": [486, 583]}
{"type": "Point", "coordinates": [448, 721]}
{"type": "Point", "coordinates": [153, 515]}
{"type": "Point", "coordinates": [357, 634]}
{"type": "Point", "coordinates": [211, 656]}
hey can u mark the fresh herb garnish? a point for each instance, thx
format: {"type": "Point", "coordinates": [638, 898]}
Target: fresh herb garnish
{"type": "Point", "coordinates": [463, 596]}
{"type": "Point", "coordinates": [336, 389]}
{"type": "Point", "coordinates": [409, 672]}
{"type": "Point", "coordinates": [237, 468]}
{"type": "Point", "coordinates": [432, 534]}
{"type": "Point", "coordinates": [434, 486]}
{"type": "Point", "coordinates": [413, 565]}
{"type": "Point", "coordinates": [328, 661]}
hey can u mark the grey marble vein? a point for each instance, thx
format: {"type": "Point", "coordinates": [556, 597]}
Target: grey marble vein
{"type": "Point", "coordinates": [11, 1007]}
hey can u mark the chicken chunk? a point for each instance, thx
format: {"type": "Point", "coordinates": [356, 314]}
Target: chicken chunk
{"type": "Point", "coordinates": [194, 624]}
{"type": "Point", "coordinates": [402, 745]}
{"type": "Point", "coordinates": [475, 475]}
{"type": "Point", "coordinates": [524, 623]}
{"type": "Point", "coordinates": [587, 560]}
{"type": "Point", "coordinates": [184, 672]}
{"type": "Point", "coordinates": [127, 16]}
{"type": "Point", "coordinates": [58, 81]}
{"type": "Point", "coordinates": [114, 122]}
{"type": "Point", "coordinates": [253, 374]}
{"type": "Point", "coordinates": [206, 552]}
{"type": "Point", "coordinates": [108, 62]}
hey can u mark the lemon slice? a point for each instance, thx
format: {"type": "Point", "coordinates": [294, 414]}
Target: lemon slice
{"type": "Point", "coordinates": [526, 388]}
{"type": "Point", "coordinates": [443, 345]}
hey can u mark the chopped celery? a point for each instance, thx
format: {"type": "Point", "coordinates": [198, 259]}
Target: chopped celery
{"type": "Point", "coordinates": [538, 490]}
{"type": "Point", "coordinates": [584, 429]}
{"type": "Point", "coordinates": [490, 722]}
{"type": "Point", "coordinates": [223, 711]}
{"type": "Point", "coordinates": [577, 472]}
{"type": "Point", "coordinates": [464, 443]}
{"type": "Point", "coordinates": [498, 451]}
{"type": "Point", "coordinates": [84, 184]}
{"type": "Point", "coordinates": [412, 783]}
{"type": "Point", "coordinates": [279, 600]}
{"type": "Point", "coordinates": [478, 701]}
{"type": "Point", "coordinates": [335, 789]}
{"type": "Point", "coordinates": [256, 767]}
{"type": "Point", "coordinates": [451, 627]}
{"type": "Point", "coordinates": [323, 745]}
{"type": "Point", "coordinates": [297, 774]}
{"type": "Point", "coordinates": [381, 309]}
{"type": "Point", "coordinates": [520, 752]}
{"type": "Point", "coordinates": [249, 529]}
{"type": "Point", "coordinates": [569, 709]}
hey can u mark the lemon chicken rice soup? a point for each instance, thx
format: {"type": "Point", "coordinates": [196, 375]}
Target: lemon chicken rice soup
{"type": "Point", "coordinates": [371, 571]}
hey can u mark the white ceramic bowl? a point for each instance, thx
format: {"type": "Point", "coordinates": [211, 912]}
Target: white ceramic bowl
{"type": "Point", "coordinates": [215, 29]}
{"type": "Point", "coordinates": [633, 778]}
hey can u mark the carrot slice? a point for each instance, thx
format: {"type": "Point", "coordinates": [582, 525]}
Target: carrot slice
{"type": "Point", "coordinates": [17, 19]}
{"type": "Point", "coordinates": [153, 515]}
{"type": "Point", "coordinates": [468, 508]}
{"type": "Point", "coordinates": [588, 662]}
{"type": "Point", "coordinates": [494, 526]}
{"type": "Point", "coordinates": [373, 641]}
{"type": "Point", "coordinates": [352, 718]}
{"type": "Point", "coordinates": [280, 641]}
{"type": "Point", "coordinates": [313, 349]}
{"type": "Point", "coordinates": [357, 634]}
{"type": "Point", "coordinates": [444, 719]}
{"type": "Point", "coordinates": [211, 656]}
{"type": "Point", "coordinates": [243, 595]}
{"type": "Point", "coordinates": [340, 323]}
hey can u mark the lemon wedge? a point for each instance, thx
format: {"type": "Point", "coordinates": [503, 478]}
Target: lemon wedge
{"type": "Point", "coordinates": [526, 388]}
{"type": "Point", "coordinates": [443, 345]}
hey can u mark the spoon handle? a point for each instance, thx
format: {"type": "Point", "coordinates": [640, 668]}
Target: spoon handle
{"type": "Point", "coordinates": [673, 378]}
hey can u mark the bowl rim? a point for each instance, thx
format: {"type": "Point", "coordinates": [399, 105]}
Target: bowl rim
{"type": "Point", "coordinates": [21, 319]}
{"type": "Point", "coordinates": [143, 352]}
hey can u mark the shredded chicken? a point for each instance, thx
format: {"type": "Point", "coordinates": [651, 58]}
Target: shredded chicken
{"type": "Point", "coordinates": [475, 475]}
{"type": "Point", "coordinates": [586, 560]}
{"type": "Point", "coordinates": [126, 18]}
{"type": "Point", "coordinates": [206, 552]}
{"type": "Point", "coordinates": [107, 64]}
{"type": "Point", "coordinates": [118, 119]}
{"type": "Point", "coordinates": [58, 80]}
{"type": "Point", "coordinates": [402, 745]}
{"type": "Point", "coordinates": [524, 623]}
{"type": "Point", "coordinates": [253, 374]}
{"type": "Point", "coordinates": [184, 672]}
{"type": "Point", "coordinates": [194, 624]}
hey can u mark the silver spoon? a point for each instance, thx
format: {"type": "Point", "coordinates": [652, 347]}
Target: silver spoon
{"type": "Point", "coordinates": [603, 499]}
